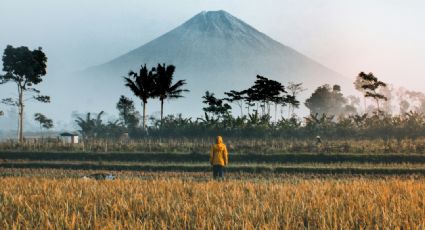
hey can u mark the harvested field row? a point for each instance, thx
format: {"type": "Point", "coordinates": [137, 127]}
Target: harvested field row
{"type": "Point", "coordinates": [234, 158]}
{"type": "Point", "coordinates": [198, 176]}
{"type": "Point", "coordinates": [207, 164]}
{"type": "Point", "coordinates": [277, 169]}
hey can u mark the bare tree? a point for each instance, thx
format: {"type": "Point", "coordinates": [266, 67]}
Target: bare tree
{"type": "Point", "coordinates": [370, 86]}
{"type": "Point", "coordinates": [294, 89]}
{"type": "Point", "coordinates": [44, 122]}
{"type": "Point", "coordinates": [236, 97]}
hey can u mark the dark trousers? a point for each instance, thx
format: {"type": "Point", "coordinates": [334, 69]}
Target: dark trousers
{"type": "Point", "coordinates": [218, 172]}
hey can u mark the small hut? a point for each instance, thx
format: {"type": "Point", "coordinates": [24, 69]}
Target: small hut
{"type": "Point", "coordinates": [69, 138]}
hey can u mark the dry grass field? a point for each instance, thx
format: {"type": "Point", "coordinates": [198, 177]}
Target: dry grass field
{"type": "Point", "coordinates": [46, 190]}
{"type": "Point", "coordinates": [344, 203]}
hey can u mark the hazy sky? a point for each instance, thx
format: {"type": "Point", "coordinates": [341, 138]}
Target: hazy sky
{"type": "Point", "coordinates": [383, 36]}
{"type": "Point", "coordinates": [386, 37]}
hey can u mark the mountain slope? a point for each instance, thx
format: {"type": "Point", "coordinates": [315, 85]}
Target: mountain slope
{"type": "Point", "coordinates": [215, 51]}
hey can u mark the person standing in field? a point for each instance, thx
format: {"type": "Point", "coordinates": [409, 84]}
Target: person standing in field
{"type": "Point", "coordinates": [219, 158]}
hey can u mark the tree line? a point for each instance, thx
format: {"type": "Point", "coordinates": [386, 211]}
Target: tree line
{"type": "Point", "coordinates": [331, 113]}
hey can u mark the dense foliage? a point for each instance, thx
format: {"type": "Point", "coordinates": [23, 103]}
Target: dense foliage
{"type": "Point", "coordinates": [378, 125]}
{"type": "Point", "coordinates": [332, 115]}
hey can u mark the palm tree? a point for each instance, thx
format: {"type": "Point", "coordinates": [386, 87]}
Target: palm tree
{"type": "Point", "coordinates": [86, 125]}
{"type": "Point", "coordinates": [90, 127]}
{"type": "Point", "coordinates": [165, 89]}
{"type": "Point", "coordinates": [143, 86]}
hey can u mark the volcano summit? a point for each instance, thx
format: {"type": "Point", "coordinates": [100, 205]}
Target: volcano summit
{"type": "Point", "coordinates": [218, 52]}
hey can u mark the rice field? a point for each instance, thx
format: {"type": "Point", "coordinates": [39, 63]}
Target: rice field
{"type": "Point", "coordinates": [235, 145]}
{"type": "Point", "coordinates": [269, 165]}
{"type": "Point", "coordinates": [174, 190]}
{"type": "Point", "coordinates": [352, 203]}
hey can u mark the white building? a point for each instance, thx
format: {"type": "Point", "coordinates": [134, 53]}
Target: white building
{"type": "Point", "coordinates": [69, 138]}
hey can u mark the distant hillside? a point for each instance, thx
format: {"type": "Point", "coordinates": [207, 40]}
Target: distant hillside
{"type": "Point", "coordinates": [212, 51]}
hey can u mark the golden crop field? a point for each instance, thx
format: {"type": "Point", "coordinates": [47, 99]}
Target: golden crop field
{"type": "Point", "coordinates": [356, 203]}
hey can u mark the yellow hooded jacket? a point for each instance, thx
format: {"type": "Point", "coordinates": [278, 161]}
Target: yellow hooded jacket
{"type": "Point", "coordinates": [219, 155]}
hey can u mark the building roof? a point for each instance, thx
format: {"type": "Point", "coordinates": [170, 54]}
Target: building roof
{"type": "Point", "coordinates": [68, 134]}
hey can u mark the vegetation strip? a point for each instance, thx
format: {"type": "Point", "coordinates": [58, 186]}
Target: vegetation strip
{"type": "Point", "coordinates": [236, 158]}
{"type": "Point", "coordinates": [196, 168]}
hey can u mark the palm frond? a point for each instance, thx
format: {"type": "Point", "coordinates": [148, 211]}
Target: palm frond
{"type": "Point", "coordinates": [133, 86]}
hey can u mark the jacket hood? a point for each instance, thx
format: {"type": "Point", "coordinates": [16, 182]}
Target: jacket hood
{"type": "Point", "coordinates": [219, 140]}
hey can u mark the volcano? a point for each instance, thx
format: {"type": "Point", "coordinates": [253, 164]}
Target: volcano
{"type": "Point", "coordinates": [218, 52]}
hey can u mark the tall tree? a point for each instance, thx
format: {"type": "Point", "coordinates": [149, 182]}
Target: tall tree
{"type": "Point", "coordinates": [266, 91]}
{"type": "Point", "coordinates": [237, 97]}
{"type": "Point", "coordinates": [326, 100]}
{"type": "Point", "coordinates": [215, 106]}
{"type": "Point", "coordinates": [143, 86]}
{"type": "Point", "coordinates": [358, 83]}
{"type": "Point", "coordinates": [294, 90]}
{"type": "Point", "coordinates": [90, 127]}
{"type": "Point", "coordinates": [127, 112]}
{"type": "Point", "coordinates": [164, 87]}
{"type": "Point", "coordinates": [370, 86]}
{"type": "Point", "coordinates": [388, 92]}
{"type": "Point", "coordinates": [44, 122]}
{"type": "Point", "coordinates": [25, 68]}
